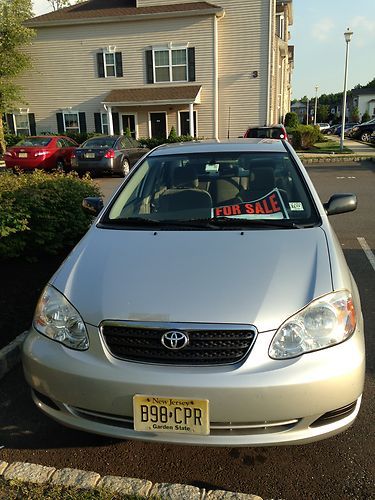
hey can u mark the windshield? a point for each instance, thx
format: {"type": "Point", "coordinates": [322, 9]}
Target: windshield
{"type": "Point", "coordinates": [34, 141]}
{"type": "Point", "coordinates": [99, 142]}
{"type": "Point", "coordinates": [220, 186]}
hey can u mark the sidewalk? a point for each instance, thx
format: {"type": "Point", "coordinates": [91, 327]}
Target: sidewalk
{"type": "Point", "coordinates": [360, 152]}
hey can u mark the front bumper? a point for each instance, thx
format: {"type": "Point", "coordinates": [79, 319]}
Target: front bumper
{"type": "Point", "coordinates": [261, 402]}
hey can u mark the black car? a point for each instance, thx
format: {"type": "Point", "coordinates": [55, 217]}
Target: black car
{"type": "Point", "coordinates": [363, 131]}
{"type": "Point", "coordinates": [114, 154]}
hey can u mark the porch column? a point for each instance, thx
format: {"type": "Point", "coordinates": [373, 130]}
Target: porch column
{"type": "Point", "coordinates": [191, 119]}
{"type": "Point", "coordinates": [110, 122]}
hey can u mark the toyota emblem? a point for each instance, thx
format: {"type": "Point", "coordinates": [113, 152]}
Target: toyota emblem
{"type": "Point", "coordinates": [174, 339]}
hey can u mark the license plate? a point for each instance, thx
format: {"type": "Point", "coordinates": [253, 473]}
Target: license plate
{"type": "Point", "coordinates": [176, 415]}
{"type": "Point", "coordinates": [22, 155]}
{"type": "Point", "coordinates": [89, 155]}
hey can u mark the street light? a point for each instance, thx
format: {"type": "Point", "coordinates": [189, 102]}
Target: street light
{"type": "Point", "coordinates": [348, 36]}
{"type": "Point", "coordinates": [316, 103]}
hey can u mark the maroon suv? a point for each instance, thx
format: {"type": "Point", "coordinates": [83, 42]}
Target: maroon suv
{"type": "Point", "coordinates": [271, 132]}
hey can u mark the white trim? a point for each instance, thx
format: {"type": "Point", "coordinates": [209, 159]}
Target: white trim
{"type": "Point", "coordinates": [15, 123]}
{"type": "Point", "coordinates": [270, 63]}
{"type": "Point", "coordinates": [149, 122]}
{"type": "Point", "coordinates": [170, 48]}
{"type": "Point", "coordinates": [105, 51]}
{"type": "Point", "coordinates": [71, 112]}
{"type": "Point", "coordinates": [195, 112]}
{"type": "Point", "coordinates": [216, 79]}
{"type": "Point", "coordinates": [135, 123]}
{"type": "Point", "coordinates": [102, 124]}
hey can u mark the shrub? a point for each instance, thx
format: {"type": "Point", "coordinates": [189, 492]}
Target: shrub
{"type": "Point", "coordinates": [291, 120]}
{"type": "Point", "coordinates": [304, 136]}
{"type": "Point", "coordinates": [153, 142]}
{"type": "Point", "coordinates": [365, 117]}
{"type": "Point", "coordinates": [12, 139]}
{"type": "Point", "coordinates": [41, 213]}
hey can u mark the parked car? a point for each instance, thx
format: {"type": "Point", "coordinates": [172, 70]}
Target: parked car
{"type": "Point", "coordinates": [114, 154]}
{"type": "Point", "coordinates": [348, 126]}
{"type": "Point", "coordinates": [210, 303]}
{"type": "Point", "coordinates": [272, 132]}
{"type": "Point", "coordinates": [331, 130]}
{"type": "Point", "coordinates": [323, 126]}
{"type": "Point", "coordinates": [46, 152]}
{"type": "Point", "coordinates": [363, 131]}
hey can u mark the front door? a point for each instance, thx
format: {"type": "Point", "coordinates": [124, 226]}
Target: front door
{"type": "Point", "coordinates": [158, 125]}
{"type": "Point", "coordinates": [185, 123]}
{"type": "Point", "coordinates": [128, 123]}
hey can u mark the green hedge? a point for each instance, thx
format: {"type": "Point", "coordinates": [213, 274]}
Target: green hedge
{"type": "Point", "coordinates": [153, 142]}
{"type": "Point", "coordinates": [41, 213]}
{"type": "Point", "coordinates": [304, 136]}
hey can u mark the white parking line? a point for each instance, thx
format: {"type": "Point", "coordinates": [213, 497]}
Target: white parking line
{"type": "Point", "coordinates": [368, 251]}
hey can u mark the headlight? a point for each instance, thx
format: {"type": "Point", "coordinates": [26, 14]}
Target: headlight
{"type": "Point", "coordinates": [56, 318]}
{"type": "Point", "coordinates": [354, 129]}
{"type": "Point", "coordinates": [325, 322]}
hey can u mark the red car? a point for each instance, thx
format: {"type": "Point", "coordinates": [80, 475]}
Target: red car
{"type": "Point", "coordinates": [46, 151]}
{"type": "Point", "coordinates": [271, 132]}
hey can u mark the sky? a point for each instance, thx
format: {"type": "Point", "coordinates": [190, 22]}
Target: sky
{"type": "Point", "coordinates": [318, 36]}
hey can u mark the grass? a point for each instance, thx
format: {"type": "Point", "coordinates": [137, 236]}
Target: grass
{"type": "Point", "coordinates": [328, 147]}
{"type": "Point", "coordinates": [16, 490]}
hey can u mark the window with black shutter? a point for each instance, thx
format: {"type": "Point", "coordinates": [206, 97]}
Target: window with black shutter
{"type": "Point", "coordinates": [109, 64]}
{"type": "Point", "coordinates": [170, 64]}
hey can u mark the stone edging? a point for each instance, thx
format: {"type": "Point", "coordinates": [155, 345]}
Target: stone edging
{"type": "Point", "coordinates": [75, 478]}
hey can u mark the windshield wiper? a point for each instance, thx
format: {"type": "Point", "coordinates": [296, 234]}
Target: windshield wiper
{"type": "Point", "coordinates": [140, 221]}
{"type": "Point", "coordinates": [277, 223]}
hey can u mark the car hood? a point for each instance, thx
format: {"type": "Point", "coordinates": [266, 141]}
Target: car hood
{"type": "Point", "coordinates": [258, 277]}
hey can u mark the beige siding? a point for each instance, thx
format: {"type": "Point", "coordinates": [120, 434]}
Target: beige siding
{"type": "Point", "coordinates": [243, 48]}
{"type": "Point", "coordinates": [65, 68]}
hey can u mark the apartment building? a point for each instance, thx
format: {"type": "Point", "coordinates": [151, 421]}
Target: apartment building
{"type": "Point", "coordinates": [208, 69]}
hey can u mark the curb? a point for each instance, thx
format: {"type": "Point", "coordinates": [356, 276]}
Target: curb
{"type": "Point", "coordinates": [307, 158]}
{"type": "Point", "coordinates": [79, 479]}
{"type": "Point", "coordinates": [10, 355]}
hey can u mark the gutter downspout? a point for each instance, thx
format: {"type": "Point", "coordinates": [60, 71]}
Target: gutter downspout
{"type": "Point", "coordinates": [216, 76]}
{"type": "Point", "coordinates": [270, 62]}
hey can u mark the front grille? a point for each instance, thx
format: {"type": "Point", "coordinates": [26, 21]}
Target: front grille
{"type": "Point", "coordinates": [206, 346]}
{"type": "Point", "coordinates": [216, 428]}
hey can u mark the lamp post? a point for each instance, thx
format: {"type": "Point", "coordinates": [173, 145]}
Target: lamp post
{"type": "Point", "coordinates": [316, 103]}
{"type": "Point", "coordinates": [348, 36]}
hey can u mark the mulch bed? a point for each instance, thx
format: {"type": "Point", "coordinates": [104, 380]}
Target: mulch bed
{"type": "Point", "coordinates": [21, 283]}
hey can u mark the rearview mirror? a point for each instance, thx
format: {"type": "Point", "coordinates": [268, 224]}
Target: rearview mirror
{"type": "Point", "coordinates": [341, 203]}
{"type": "Point", "coordinates": [92, 205]}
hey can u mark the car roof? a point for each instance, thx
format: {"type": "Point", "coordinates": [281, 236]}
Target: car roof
{"type": "Point", "coordinates": [228, 145]}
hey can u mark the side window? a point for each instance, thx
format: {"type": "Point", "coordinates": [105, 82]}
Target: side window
{"type": "Point", "coordinates": [60, 143]}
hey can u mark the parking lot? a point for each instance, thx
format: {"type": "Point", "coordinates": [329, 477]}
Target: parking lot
{"type": "Point", "coordinates": [338, 468]}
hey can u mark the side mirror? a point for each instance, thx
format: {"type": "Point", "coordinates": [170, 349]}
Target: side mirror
{"type": "Point", "coordinates": [92, 206]}
{"type": "Point", "coordinates": [340, 203]}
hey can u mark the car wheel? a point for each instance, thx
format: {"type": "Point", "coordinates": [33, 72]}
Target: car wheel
{"type": "Point", "coordinates": [61, 167]}
{"type": "Point", "coordinates": [365, 137]}
{"type": "Point", "coordinates": [125, 167]}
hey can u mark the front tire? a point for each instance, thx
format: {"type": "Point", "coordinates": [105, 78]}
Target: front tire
{"type": "Point", "coordinates": [365, 137]}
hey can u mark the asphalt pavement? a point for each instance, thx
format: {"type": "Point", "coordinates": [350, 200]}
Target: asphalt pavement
{"type": "Point", "coordinates": [338, 468]}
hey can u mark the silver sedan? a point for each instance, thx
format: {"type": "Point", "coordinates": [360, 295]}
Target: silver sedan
{"type": "Point", "coordinates": [209, 304]}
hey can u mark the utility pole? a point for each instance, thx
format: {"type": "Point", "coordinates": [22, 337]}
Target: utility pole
{"type": "Point", "coordinates": [348, 36]}
{"type": "Point", "coordinates": [316, 103]}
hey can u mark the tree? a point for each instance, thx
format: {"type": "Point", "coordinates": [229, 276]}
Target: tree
{"type": "Point", "coordinates": [60, 4]}
{"type": "Point", "coordinates": [365, 117]}
{"type": "Point", "coordinates": [291, 120]}
{"type": "Point", "coordinates": [354, 115]}
{"type": "Point", "coordinates": [323, 112]}
{"type": "Point", "coordinates": [14, 36]}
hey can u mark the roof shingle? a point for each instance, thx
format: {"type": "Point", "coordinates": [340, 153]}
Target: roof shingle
{"type": "Point", "coordinates": [94, 9]}
{"type": "Point", "coordinates": [149, 94]}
